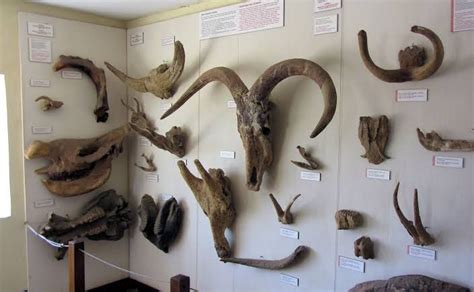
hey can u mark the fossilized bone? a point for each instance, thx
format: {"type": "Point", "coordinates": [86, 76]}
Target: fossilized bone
{"type": "Point", "coordinates": [105, 217]}
{"type": "Point", "coordinates": [364, 247]}
{"type": "Point", "coordinates": [416, 229]}
{"type": "Point", "coordinates": [433, 142]}
{"type": "Point", "coordinates": [160, 227]}
{"type": "Point", "coordinates": [161, 80]}
{"type": "Point", "coordinates": [174, 140]}
{"type": "Point", "coordinates": [413, 62]}
{"type": "Point", "coordinates": [284, 217]}
{"type": "Point", "coordinates": [151, 165]}
{"type": "Point", "coordinates": [215, 198]}
{"type": "Point", "coordinates": [373, 135]}
{"type": "Point", "coordinates": [348, 219]}
{"type": "Point", "coordinates": [49, 104]}
{"type": "Point", "coordinates": [254, 107]}
{"type": "Point", "coordinates": [311, 165]}
{"type": "Point", "coordinates": [97, 76]}
{"type": "Point", "coordinates": [77, 166]}
{"type": "Point", "coordinates": [269, 264]}
{"type": "Point", "coordinates": [408, 283]}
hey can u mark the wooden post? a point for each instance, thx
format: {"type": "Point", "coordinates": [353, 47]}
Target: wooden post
{"type": "Point", "coordinates": [76, 267]}
{"type": "Point", "coordinates": [180, 283]}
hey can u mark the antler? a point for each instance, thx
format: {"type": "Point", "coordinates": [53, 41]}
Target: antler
{"type": "Point", "coordinates": [412, 60]}
{"type": "Point", "coordinates": [149, 160]}
{"type": "Point", "coordinates": [311, 165]}
{"type": "Point", "coordinates": [161, 80]}
{"type": "Point", "coordinates": [416, 230]}
{"type": "Point", "coordinates": [284, 217]}
{"type": "Point", "coordinates": [433, 142]}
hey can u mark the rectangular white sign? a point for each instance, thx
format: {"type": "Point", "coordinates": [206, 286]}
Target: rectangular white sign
{"type": "Point", "coordinates": [137, 38]}
{"type": "Point", "coordinates": [325, 5]}
{"type": "Point", "coordinates": [378, 174]}
{"type": "Point", "coordinates": [40, 83]}
{"type": "Point", "coordinates": [231, 104]}
{"type": "Point", "coordinates": [152, 178]}
{"type": "Point", "coordinates": [71, 74]}
{"type": "Point", "coordinates": [253, 15]}
{"type": "Point", "coordinates": [289, 233]}
{"type": "Point", "coordinates": [453, 162]}
{"type": "Point", "coordinates": [144, 141]}
{"type": "Point", "coordinates": [41, 129]}
{"type": "Point", "coordinates": [227, 154]}
{"type": "Point", "coordinates": [43, 203]}
{"type": "Point", "coordinates": [39, 50]}
{"type": "Point", "coordinates": [290, 280]}
{"type": "Point", "coordinates": [462, 15]}
{"type": "Point", "coordinates": [167, 41]}
{"type": "Point", "coordinates": [40, 29]}
{"type": "Point", "coordinates": [325, 24]}
{"type": "Point", "coordinates": [351, 264]}
{"type": "Point", "coordinates": [316, 176]}
{"type": "Point", "coordinates": [412, 95]}
{"type": "Point", "coordinates": [420, 252]}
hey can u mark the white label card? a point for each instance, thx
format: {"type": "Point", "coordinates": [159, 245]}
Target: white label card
{"type": "Point", "coordinates": [462, 15]}
{"type": "Point", "coordinates": [325, 24]}
{"type": "Point", "coordinates": [152, 178]}
{"type": "Point", "coordinates": [420, 252]}
{"type": "Point", "coordinates": [315, 176]}
{"type": "Point", "coordinates": [227, 154]}
{"type": "Point", "coordinates": [290, 280]}
{"type": "Point", "coordinates": [40, 29]}
{"type": "Point", "coordinates": [289, 233]}
{"type": "Point", "coordinates": [378, 174]}
{"type": "Point", "coordinates": [404, 95]}
{"type": "Point", "coordinates": [231, 104]}
{"type": "Point", "coordinates": [137, 38]}
{"type": "Point", "coordinates": [325, 5]}
{"type": "Point", "coordinates": [71, 74]}
{"type": "Point", "coordinates": [144, 141]}
{"type": "Point", "coordinates": [43, 203]}
{"type": "Point", "coordinates": [41, 129]}
{"type": "Point", "coordinates": [167, 41]}
{"type": "Point", "coordinates": [39, 50]}
{"type": "Point", "coordinates": [453, 162]}
{"type": "Point", "coordinates": [40, 83]}
{"type": "Point", "coordinates": [351, 264]}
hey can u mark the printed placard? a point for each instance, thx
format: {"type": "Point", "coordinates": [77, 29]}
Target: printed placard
{"type": "Point", "coordinates": [231, 104]}
{"type": "Point", "coordinates": [290, 280]}
{"type": "Point", "coordinates": [421, 252]}
{"type": "Point", "coordinates": [351, 264]}
{"type": "Point", "coordinates": [452, 162]}
{"type": "Point", "coordinates": [137, 38]}
{"type": "Point", "coordinates": [289, 233]}
{"type": "Point", "coordinates": [43, 203]}
{"type": "Point", "coordinates": [41, 129]}
{"type": "Point", "coordinates": [325, 5]}
{"type": "Point", "coordinates": [39, 50]}
{"type": "Point", "coordinates": [325, 24]}
{"type": "Point", "coordinates": [407, 95]}
{"type": "Point", "coordinates": [462, 15]}
{"type": "Point", "coordinates": [227, 154]}
{"type": "Point", "coordinates": [71, 74]}
{"type": "Point", "coordinates": [40, 29]}
{"type": "Point", "coordinates": [380, 174]}
{"type": "Point", "coordinates": [314, 176]}
{"type": "Point", "coordinates": [152, 177]}
{"type": "Point", "coordinates": [144, 141]}
{"type": "Point", "coordinates": [167, 41]}
{"type": "Point", "coordinates": [40, 83]}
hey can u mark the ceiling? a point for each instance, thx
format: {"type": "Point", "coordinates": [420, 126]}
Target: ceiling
{"type": "Point", "coordinates": [119, 9]}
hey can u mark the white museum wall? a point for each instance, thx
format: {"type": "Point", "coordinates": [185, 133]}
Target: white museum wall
{"type": "Point", "coordinates": [74, 120]}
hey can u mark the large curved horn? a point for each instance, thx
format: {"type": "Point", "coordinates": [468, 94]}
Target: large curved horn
{"type": "Point", "coordinates": [222, 74]}
{"type": "Point", "coordinates": [177, 65]}
{"type": "Point", "coordinates": [433, 63]}
{"type": "Point", "coordinates": [264, 85]}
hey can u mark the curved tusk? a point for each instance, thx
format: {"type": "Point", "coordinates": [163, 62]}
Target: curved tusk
{"type": "Point", "coordinates": [433, 63]}
{"type": "Point", "coordinates": [137, 84]}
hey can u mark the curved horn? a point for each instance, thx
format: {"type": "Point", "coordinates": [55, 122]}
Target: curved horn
{"type": "Point", "coordinates": [264, 85]}
{"type": "Point", "coordinates": [425, 237]}
{"type": "Point", "coordinates": [137, 84]}
{"type": "Point", "coordinates": [433, 63]}
{"type": "Point", "coordinates": [222, 74]}
{"type": "Point", "coordinates": [43, 97]}
{"type": "Point", "coordinates": [177, 65]}
{"type": "Point", "coordinates": [405, 222]}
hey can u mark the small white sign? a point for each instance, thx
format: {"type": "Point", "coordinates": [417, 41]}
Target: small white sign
{"type": "Point", "coordinates": [290, 280]}
{"type": "Point", "coordinates": [137, 38]}
{"type": "Point", "coordinates": [183, 160]}
{"type": "Point", "coordinates": [43, 203]}
{"type": "Point", "coordinates": [351, 264]}
{"type": "Point", "coordinates": [71, 74]}
{"type": "Point", "coordinates": [231, 104]}
{"type": "Point", "coordinates": [39, 50]}
{"type": "Point", "coordinates": [144, 141]}
{"type": "Point", "coordinates": [289, 233]}
{"type": "Point", "coordinates": [420, 252]}
{"type": "Point", "coordinates": [453, 162]}
{"type": "Point", "coordinates": [152, 178]}
{"type": "Point", "coordinates": [227, 154]}
{"type": "Point", "coordinates": [41, 130]}
{"type": "Point", "coordinates": [167, 41]}
{"type": "Point", "coordinates": [325, 24]}
{"type": "Point", "coordinates": [462, 15]}
{"type": "Point", "coordinates": [404, 95]}
{"type": "Point", "coordinates": [315, 176]}
{"type": "Point", "coordinates": [378, 174]}
{"type": "Point", "coordinates": [40, 83]}
{"type": "Point", "coordinates": [325, 5]}
{"type": "Point", "coordinates": [40, 29]}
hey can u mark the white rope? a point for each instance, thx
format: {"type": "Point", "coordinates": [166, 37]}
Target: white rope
{"type": "Point", "coordinates": [50, 242]}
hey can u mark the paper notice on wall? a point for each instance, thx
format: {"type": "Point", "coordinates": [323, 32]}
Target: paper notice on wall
{"type": "Point", "coordinates": [39, 50]}
{"type": "Point", "coordinates": [325, 24]}
{"type": "Point", "coordinates": [409, 95]}
{"type": "Point", "coordinates": [253, 15]}
{"type": "Point", "coordinates": [137, 38]}
{"type": "Point", "coordinates": [462, 15]}
{"type": "Point", "coordinates": [40, 29]}
{"type": "Point", "coordinates": [40, 83]}
{"type": "Point", "coordinates": [324, 5]}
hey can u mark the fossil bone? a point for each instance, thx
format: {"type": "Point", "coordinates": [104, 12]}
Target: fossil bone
{"type": "Point", "coordinates": [364, 247]}
{"type": "Point", "coordinates": [373, 135]}
{"type": "Point", "coordinates": [269, 264]}
{"type": "Point", "coordinates": [284, 217]}
{"type": "Point", "coordinates": [160, 227]}
{"type": "Point", "coordinates": [173, 141]}
{"type": "Point", "coordinates": [97, 76]}
{"type": "Point", "coordinates": [254, 107]}
{"type": "Point", "coordinates": [105, 217]}
{"type": "Point", "coordinates": [413, 62]}
{"type": "Point", "coordinates": [416, 229]}
{"type": "Point", "coordinates": [408, 283]}
{"type": "Point", "coordinates": [151, 165]}
{"type": "Point", "coordinates": [433, 142]}
{"type": "Point", "coordinates": [161, 80]}
{"type": "Point", "coordinates": [77, 166]}
{"type": "Point", "coordinates": [215, 198]}
{"type": "Point", "coordinates": [311, 165]}
{"type": "Point", "coordinates": [49, 104]}
{"type": "Point", "coordinates": [348, 219]}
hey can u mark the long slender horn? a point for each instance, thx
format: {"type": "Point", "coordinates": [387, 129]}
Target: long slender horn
{"type": "Point", "coordinates": [264, 85]}
{"type": "Point", "coordinates": [225, 75]}
{"type": "Point", "coordinates": [405, 222]}
{"type": "Point", "coordinates": [137, 84]}
{"type": "Point", "coordinates": [277, 206]}
{"type": "Point", "coordinates": [425, 237]}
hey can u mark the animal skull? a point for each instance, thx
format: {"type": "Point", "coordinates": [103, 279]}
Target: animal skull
{"type": "Point", "coordinates": [373, 135]}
